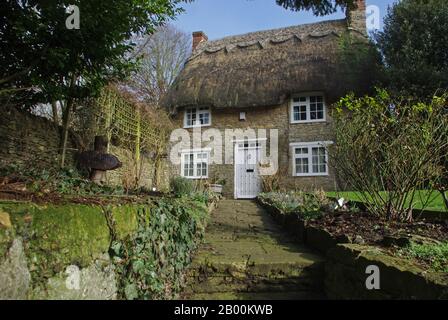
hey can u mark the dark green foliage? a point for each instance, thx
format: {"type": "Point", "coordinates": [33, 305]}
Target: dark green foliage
{"type": "Point", "coordinates": [66, 181]}
{"type": "Point", "coordinates": [435, 256]}
{"type": "Point", "coordinates": [305, 204]}
{"type": "Point", "coordinates": [151, 262]}
{"type": "Point", "coordinates": [361, 64]}
{"type": "Point", "coordinates": [318, 7]}
{"type": "Point", "coordinates": [415, 47]}
{"type": "Point", "coordinates": [36, 48]}
{"type": "Point", "coordinates": [181, 186]}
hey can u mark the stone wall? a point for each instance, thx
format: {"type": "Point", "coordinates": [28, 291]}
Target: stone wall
{"type": "Point", "coordinates": [28, 140]}
{"type": "Point", "coordinates": [62, 251]}
{"type": "Point", "coordinates": [346, 264]}
{"type": "Point", "coordinates": [269, 118]}
{"type": "Point", "coordinates": [345, 276]}
{"type": "Point", "coordinates": [59, 252]}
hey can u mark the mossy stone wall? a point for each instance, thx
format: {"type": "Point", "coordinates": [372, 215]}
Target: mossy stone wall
{"type": "Point", "coordinates": [52, 245]}
{"type": "Point", "coordinates": [345, 276]}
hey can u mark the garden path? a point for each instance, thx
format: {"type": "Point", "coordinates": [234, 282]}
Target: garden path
{"type": "Point", "coordinates": [245, 255]}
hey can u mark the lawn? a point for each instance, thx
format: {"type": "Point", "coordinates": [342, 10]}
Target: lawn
{"type": "Point", "coordinates": [435, 199]}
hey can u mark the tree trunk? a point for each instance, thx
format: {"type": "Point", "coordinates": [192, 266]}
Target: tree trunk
{"type": "Point", "coordinates": [54, 110]}
{"type": "Point", "coordinates": [65, 125]}
{"type": "Point", "coordinates": [66, 122]}
{"type": "Point", "coordinates": [445, 198]}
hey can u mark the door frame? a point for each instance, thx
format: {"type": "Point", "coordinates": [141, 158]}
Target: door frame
{"type": "Point", "coordinates": [235, 152]}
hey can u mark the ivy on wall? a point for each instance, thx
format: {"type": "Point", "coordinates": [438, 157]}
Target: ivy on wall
{"type": "Point", "coordinates": [150, 263]}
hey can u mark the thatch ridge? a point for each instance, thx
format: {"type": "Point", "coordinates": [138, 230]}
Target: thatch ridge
{"type": "Point", "coordinates": [273, 35]}
{"type": "Point", "coordinates": [261, 68]}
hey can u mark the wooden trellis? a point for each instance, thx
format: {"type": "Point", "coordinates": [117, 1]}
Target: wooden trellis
{"type": "Point", "coordinates": [130, 121]}
{"type": "Point", "coordinates": [138, 127]}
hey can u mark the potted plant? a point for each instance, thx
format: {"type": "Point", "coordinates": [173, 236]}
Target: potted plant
{"type": "Point", "coordinates": [216, 184]}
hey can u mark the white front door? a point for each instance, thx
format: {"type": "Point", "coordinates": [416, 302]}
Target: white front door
{"type": "Point", "coordinates": [247, 176]}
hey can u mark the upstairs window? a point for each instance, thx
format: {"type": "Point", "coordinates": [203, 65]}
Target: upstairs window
{"type": "Point", "coordinates": [310, 159]}
{"type": "Point", "coordinates": [195, 165]}
{"type": "Point", "coordinates": [197, 117]}
{"type": "Point", "coordinates": [308, 108]}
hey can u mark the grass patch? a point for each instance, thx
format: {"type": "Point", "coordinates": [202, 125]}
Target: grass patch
{"type": "Point", "coordinates": [434, 198]}
{"type": "Point", "coordinates": [435, 256]}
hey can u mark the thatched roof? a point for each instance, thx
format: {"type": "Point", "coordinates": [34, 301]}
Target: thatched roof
{"type": "Point", "coordinates": [261, 68]}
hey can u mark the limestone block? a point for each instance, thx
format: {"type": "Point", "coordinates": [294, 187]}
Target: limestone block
{"type": "Point", "coordinates": [15, 277]}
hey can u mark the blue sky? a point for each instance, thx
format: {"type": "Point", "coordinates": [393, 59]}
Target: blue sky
{"type": "Point", "coordinates": [220, 18]}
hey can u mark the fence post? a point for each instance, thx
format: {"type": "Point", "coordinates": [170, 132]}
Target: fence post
{"type": "Point", "coordinates": [137, 147]}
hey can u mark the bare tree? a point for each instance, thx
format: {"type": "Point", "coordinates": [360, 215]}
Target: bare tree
{"type": "Point", "coordinates": [162, 55]}
{"type": "Point", "coordinates": [390, 150]}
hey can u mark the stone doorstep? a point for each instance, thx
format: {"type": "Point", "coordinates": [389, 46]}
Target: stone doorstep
{"type": "Point", "coordinates": [215, 284]}
{"type": "Point", "coordinates": [271, 269]}
{"type": "Point", "coordinates": [274, 274]}
{"type": "Point", "coordinates": [290, 295]}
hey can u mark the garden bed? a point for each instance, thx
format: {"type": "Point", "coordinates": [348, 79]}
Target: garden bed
{"type": "Point", "coordinates": [61, 188]}
{"type": "Point", "coordinates": [362, 227]}
{"type": "Point", "coordinates": [416, 252]}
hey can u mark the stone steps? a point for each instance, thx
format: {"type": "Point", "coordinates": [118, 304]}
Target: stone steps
{"type": "Point", "coordinates": [288, 295]}
{"type": "Point", "coordinates": [246, 256]}
{"type": "Point", "coordinates": [227, 284]}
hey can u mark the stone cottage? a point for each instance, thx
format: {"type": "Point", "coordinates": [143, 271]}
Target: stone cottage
{"type": "Point", "coordinates": [282, 81]}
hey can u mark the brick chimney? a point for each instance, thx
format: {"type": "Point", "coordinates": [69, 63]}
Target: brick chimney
{"type": "Point", "coordinates": [198, 37]}
{"type": "Point", "coordinates": [356, 17]}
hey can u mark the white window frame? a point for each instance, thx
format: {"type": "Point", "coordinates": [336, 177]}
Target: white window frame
{"type": "Point", "coordinates": [195, 154]}
{"type": "Point", "coordinates": [198, 112]}
{"type": "Point", "coordinates": [309, 146]}
{"type": "Point", "coordinates": [308, 107]}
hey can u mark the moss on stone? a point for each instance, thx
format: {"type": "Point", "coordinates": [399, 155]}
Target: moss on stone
{"type": "Point", "coordinates": [59, 235]}
{"type": "Point", "coordinates": [6, 237]}
{"type": "Point", "coordinates": [125, 217]}
{"type": "Point", "coordinates": [64, 235]}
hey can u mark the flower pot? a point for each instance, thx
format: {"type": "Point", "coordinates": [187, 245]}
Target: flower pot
{"type": "Point", "coordinates": [217, 188]}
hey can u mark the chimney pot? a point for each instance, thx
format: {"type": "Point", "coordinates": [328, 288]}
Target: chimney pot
{"type": "Point", "coordinates": [198, 37]}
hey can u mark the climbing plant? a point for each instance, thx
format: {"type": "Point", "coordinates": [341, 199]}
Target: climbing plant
{"type": "Point", "coordinates": [151, 262]}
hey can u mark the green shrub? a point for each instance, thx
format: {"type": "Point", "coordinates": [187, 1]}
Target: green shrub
{"type": "Point", "coordinates": [307, 205]}
{"type": "Point", "coordinates": [434, 255]}
{"type": "Point", "coordinates": [67, 181]}
{"type": "Point", "coordinates": [181, 186]}
{"type": "Point", "coordinates": [390, 144]}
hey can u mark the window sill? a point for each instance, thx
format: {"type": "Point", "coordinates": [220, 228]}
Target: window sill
{"type": "Point", "coordinates": [311, 175]}
{"type": "Point", "coordinates": [308, 121]}
{"type": "Point", "coordinates": [200, 126]}
{"type": "Point", "coordinates": [195, 178]}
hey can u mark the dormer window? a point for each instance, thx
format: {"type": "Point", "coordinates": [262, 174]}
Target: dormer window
{"type": "Point", "coordinates": [307, 108]}
{"type": "Point", "coordinates": [197, 117]}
